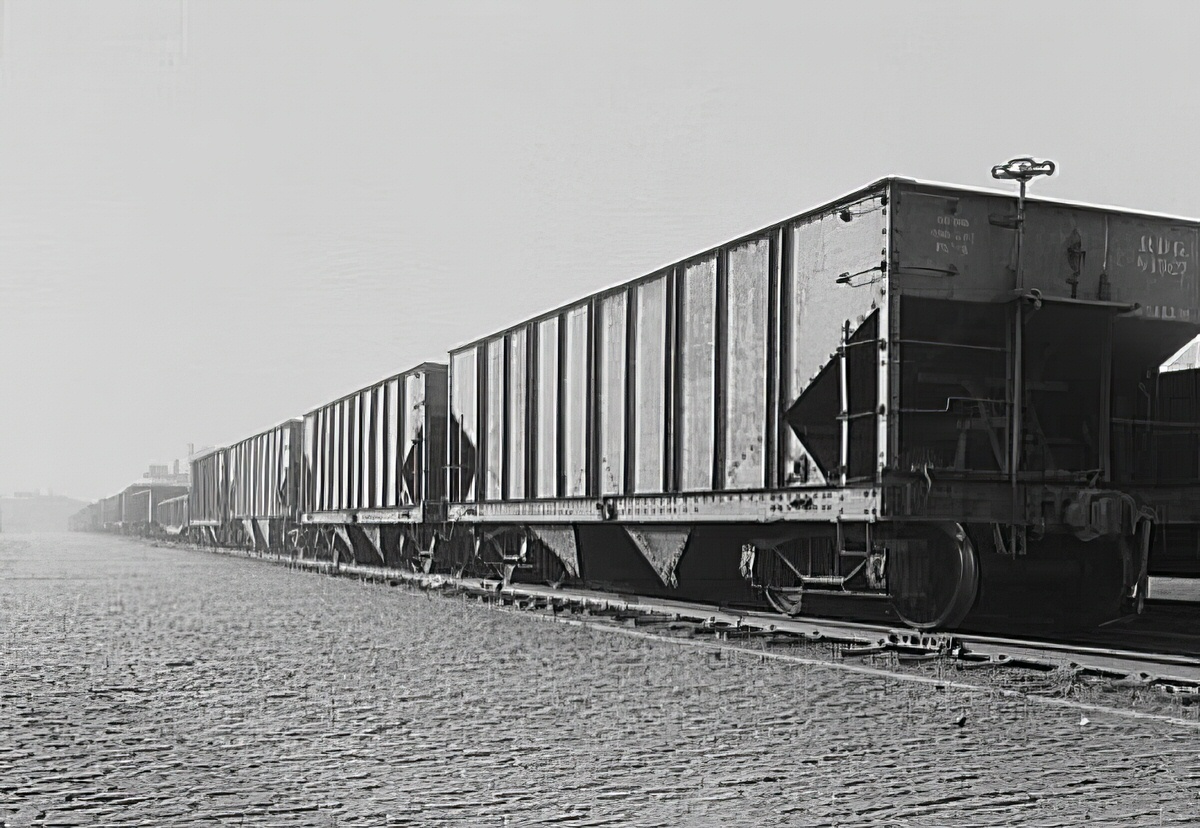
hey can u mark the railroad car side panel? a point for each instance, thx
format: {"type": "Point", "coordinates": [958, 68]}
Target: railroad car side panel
{"type": "Point", "coordinates": [546, 393]}
{"type": "Point", "coordinates": [576, 388]}
{"type": "Point", "coordinates": [432, 440]}
{"type": "Point", "coordinates": [464, 424]}
{"type": "Point", "coordinates": [381, 447]}
{"type": "Point", "coordinates": [746, 365]}
{"type": "Point", "coordinates": [172, 514]}
{"type": "Point", "coordinates": [516, 414]}
{"type": "Point", "coordinates": [696, 406]}
{"type": "Point", "coordinates": [208, 498]}
{"type": "Point", "coordinates": [648, 407]}
{"type": "Point", "coordinates": [834, 284]}
{"type": "Point", "coordinates": [611, 376]}
{"type": "Point", "coordinates": [265, 473]}
{"type": "Point", "coordinates": [495, 382]}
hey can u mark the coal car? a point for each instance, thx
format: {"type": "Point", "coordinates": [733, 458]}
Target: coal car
{"type": "Point", "coordinates": [924, 403]}
{"type": "Point", "coordinates": [879, 408]}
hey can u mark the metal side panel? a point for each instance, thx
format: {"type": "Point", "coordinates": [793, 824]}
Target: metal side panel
{"type": "Point", "coordinates": [611, 383]}
{"type": "Point", "coordinates": [366, 448]}
{"type": "Point", "coordinates": [433, 433]}
{"type": "Point", "coordinates": [662, 547]}
{"type": "Point", "coordinates": [383, 437]}
{"type": "Point", "coordinates": [516, 412]}
{"type": "Point", "coordinates": [811, 505]}
{"type": "Point", "coordinates": [650, 385]}
{"type": "Point", "coordinates": [575, 402]}
{"type": "Point", "coordinates": [561, 541]}
{"type": "Point", "coordinates": [836, 279]}
{"type": "Point", "coordinates": [464, 424]}
{"type": "Point", "coordinates": [494, 417]}
{"type": "Point", "coordinates": [745, 365]}
{"type": "Point", "coordinates": [546, 393]}
{"type": "Point", "coordinates": [393, 455]}
{"type": "Point", "coordinates": [955, 244]}
{"type": "Point", "coordinates": [411, 454]}
{"type": "Point", "coordinates": [697, 366]}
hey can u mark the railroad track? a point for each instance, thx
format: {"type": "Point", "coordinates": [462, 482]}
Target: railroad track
{"type": "Point", "coordinates": [1133, 667]}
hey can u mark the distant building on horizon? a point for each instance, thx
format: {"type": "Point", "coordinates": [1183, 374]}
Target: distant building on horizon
{"type": "Point", "coordinates": [34, 512]}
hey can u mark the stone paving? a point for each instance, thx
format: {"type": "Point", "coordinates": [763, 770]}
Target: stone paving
{"type": "Point", "coordinates": [150, 686]}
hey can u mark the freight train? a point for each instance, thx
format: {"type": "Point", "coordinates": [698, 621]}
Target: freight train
{"type": "Point", "coordinates": [931, 404]}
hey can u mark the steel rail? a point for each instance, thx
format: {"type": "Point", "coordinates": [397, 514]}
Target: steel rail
{"type": "Point", "coordinates": [1172, 673]}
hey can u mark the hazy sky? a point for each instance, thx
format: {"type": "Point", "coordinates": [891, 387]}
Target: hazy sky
{"type": "Point", "coordinates": [218, 215]}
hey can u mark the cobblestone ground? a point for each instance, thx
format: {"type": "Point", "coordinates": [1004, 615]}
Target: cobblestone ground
{"type": "Point", "coordinates": [149, 686]}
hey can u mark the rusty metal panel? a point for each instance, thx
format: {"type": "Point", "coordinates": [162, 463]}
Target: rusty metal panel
{"type": "Point", "coordinates": [836, 279]}
{"type": "Point", "coordinates": [650, 385]}
{"type": "Point", "coordinates": [610, 414]}
{"type": "Point", "coordinates": [546, 393]}
{"type": "Point", "coordinates": [697, 366]}
{"type": "Point", "coordinates": [575, 402]}
{"type": "Point", "coordinates": [745, 365]}
{"type": "Point", "coordinates": [494, 414]}
{"type": "Point", "coordinates": [952, 244]}
{"type": "Point", "coordinates": [464, 439]}
{"type": "Point", "coordinates": [517, 413]}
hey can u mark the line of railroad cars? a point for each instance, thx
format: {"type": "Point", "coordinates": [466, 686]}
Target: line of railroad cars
{"type": "Point", "coordinates": [142, 508]}
{"type": "Point", "coordinates": [910, 403]}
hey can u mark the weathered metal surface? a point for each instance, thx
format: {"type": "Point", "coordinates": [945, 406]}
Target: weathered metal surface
{"type": "Point", "coordinates": [464, 424]}
{"type": "Point", "coordinates": [172, 514]}
{"type": "Point", "coordinates": [612, 366]}
{"type": "Point", "coordinates": [823, 505]}
{"type": "Point", "coordinates": [379, 448]}
{"type": "Point", "coordinates": [576, 389]}
{"type": "Point", "coordinates": [745, 365]}
{"type": "Point", "coordinates": [264, 473]}
{"type": "Point", "coordinates": [696, 407]}
{"type": "Point", "coordinates": [208, 499]}
{"type": "Point", "coordinates": [648, 406]}
{"type": "Point", "coordinates": [1175, 589]}
{"type": "Point", "coordinates": [517, 413]}
{"type": "Point", "coordinates": [957, 244]}
{"type": "Point", "coordinates": [835, 280]}
{"type": "Point", "coordinates": [546, 409]}
{"type": "Point", "coordinates": [139, 502]}
{"type": "Point", "coordinates": [676, 382]}
{"type": "Point", "coordinates": [662, 547]}
{"type": "Point", "coordinates": [560, 541]}
{"type": "Point", "coordinates": [494, 381]}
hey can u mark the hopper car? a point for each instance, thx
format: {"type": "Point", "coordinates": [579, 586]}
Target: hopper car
{"type": "Point", "coordinates": [134, 510]}
{"type": "Point", "coordinates": [923, 403]}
